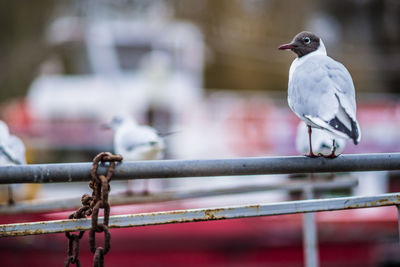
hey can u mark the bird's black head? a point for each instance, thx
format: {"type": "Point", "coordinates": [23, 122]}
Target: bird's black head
{"type": "Point", "coordinates": [303, 44]}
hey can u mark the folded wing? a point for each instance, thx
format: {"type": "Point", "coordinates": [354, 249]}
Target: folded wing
{"type": "Point", "coordinates": [322, 93]}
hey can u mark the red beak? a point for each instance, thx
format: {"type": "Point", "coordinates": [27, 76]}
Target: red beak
{"type": "Point", "coordinates": [286, 47]}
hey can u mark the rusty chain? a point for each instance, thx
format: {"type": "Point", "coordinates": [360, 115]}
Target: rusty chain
{"type": "Point", "coordinates": [90, 206]}
{"type": "Point", "coordinates": [73, 247]}
{"type": "Point", "coordinates": [73, 240]}
{"type": "Point", "coordinates": [99, 200]}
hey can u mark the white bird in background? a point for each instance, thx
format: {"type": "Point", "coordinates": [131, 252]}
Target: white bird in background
{"type": "Point", "coordinates": [135, 142]}
{"type": "Point", "coordinates": [12, 152]}
{"type": "Point", "coordinates": [321, 91]}
{"type": "Point", "coordinates": [321, 141]}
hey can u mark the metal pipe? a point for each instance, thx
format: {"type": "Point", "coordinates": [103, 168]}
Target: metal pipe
{"type": "Point", "coordinates": [398, 219]}
{"type": "Point", "coordinates": [310, 239]}
{"type": "Point", "coordinates": [75, 172]}
{"type": "Point", "coordinates": [124, 199]}
{"type": "Point", "coordinates": [195, 215]}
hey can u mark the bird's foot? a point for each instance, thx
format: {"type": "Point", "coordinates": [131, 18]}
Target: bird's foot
{"type": "Point", "coordinates": [330, 156]}
{"type": "Point", "coordinates": [11, 201]}
{"type": "Point", "coordinates": [145, 192]}
{"type": "Point", "coordinates": [311, 155]}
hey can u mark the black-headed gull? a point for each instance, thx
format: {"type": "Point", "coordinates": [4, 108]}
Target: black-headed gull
{"type": "Point", "coordinates": [321, 91]}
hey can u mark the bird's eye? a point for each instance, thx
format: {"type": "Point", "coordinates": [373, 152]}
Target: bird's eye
{"type": "Point", "coordinates": [307, 40]}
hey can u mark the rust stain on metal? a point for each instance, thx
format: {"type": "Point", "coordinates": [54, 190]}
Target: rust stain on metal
{"type": "Point", "coordinates": [29, 232]}
{"type": "Point", "coordinates": [198, 215]}
{"type": "Point", "coordinates": [255, 207]}
{"type": "Point", "coordinates": [385, 202]}
{"type": "Point", "coordinates": [21, 233]}
{"type": "Point", "coordinates": [211, 214]}
{"type": "Point", "coordinates": [23, 229]}
{"type": "Point", "coordinates": [377, 203]}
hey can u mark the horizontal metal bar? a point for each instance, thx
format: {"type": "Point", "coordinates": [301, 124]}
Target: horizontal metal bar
{"type": "Point", "coordinates": [74, 172]}
{"type": "Point", "coordinates": [195, 215]}
{"type": "Point", "coordinates": [124, 198]}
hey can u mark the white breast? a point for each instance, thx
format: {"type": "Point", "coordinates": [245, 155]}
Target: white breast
{"type": "Point", "coordinates": [298, 61]}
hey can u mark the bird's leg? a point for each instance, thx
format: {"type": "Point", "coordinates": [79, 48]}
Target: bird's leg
{"type": "Point", "coordinates": [146, 187]}
{"type": "Point", "coordinates": [129, 188]}
{"type": "Point", "coordinates": [333, 146]}
{"type": "Point", "coordinates": [11, 200]}
{"type": "Point", "coordinates": [311, 154]}
{"type": "Point", "coordinates": [332, 155]}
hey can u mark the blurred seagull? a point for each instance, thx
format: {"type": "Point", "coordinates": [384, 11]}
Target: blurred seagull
{"type": "Point", "coordinates": [12, 152]}
{"type": "Point", "coordinates": [135, 142]}
{"type": "Point", "coordinates": [321, 91]}
{"type": "Point", "coordinates": [12, 149]}
{"type": "Point", "coordinates": [322, 141]}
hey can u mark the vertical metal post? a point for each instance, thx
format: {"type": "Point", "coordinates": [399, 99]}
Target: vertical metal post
{"type": "Point", "coordinates": [398, 219]}
{"type": "Point", "coordinates": [310, 248]}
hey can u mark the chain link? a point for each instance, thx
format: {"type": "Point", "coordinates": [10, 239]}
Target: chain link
{"type": "Point", "coordinates": [99, 200]}
{"type": "Point", "coordinates": [90, 206]}
{"type": "Point", "coordinates": [73, 242]}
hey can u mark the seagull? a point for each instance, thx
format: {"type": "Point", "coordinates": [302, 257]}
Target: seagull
{"type": "Point", "coordinates": [321, 91]}
{"type": "Point", "coordinates": [12, 152]}
{"type": "Point", "coordinates": [322, 141]}
{"type": "Point", "coordinates": [135, 142]}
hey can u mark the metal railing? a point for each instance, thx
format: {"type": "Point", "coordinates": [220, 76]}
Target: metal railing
{"type": "Point", "coordinates": [78, 172]}
{"type": "Point", "coordinates": [74, 172]}
{"type": "Point", "coordinates": [125, 198]}
{"type": "Point", "coordinates": [197, 215]}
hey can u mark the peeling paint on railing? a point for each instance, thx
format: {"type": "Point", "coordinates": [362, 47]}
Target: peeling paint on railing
{"type": "Point", "coordinates": [197, 215]}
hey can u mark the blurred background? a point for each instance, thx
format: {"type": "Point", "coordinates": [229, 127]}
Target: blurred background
{"type": "Point", "coordinates": [211, 72]}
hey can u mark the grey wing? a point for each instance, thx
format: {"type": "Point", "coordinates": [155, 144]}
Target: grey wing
{"type": "Point", "coordinates": [18, 147]}
{"type": "Point", "coordinates": [311, 93]}
{"type": "Point", "coordinates": [343, 84]}
{"type": "Point", "coordinates": [329, 99]}
{"type": "Point", "coordinates": [13, 150]}
{"type": "Point", "coordinates": [345, 120]}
